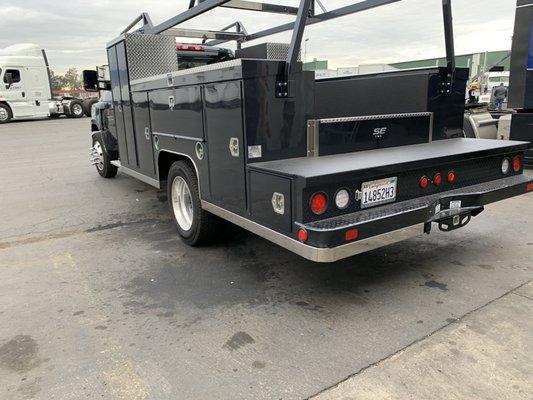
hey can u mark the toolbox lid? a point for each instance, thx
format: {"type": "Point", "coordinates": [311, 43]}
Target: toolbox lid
{"type": "Point", "coordinates": [438, 151]}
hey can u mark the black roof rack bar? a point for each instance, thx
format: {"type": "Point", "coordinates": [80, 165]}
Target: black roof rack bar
{"type": "Point", "coordinates": [448, 35]}
{"type": "Point", "coordinates": [297, 35]}
{"type": "Point", "coordinates": [199, 9]}
{"type": "Point", "coordinates": [264, 7]}
{"type": "Point", "coordinates": [203, 34]}
{"type": "Point", "coordinates": [339, 12]}
{"type": "Point", "coordinates": [145, 18]}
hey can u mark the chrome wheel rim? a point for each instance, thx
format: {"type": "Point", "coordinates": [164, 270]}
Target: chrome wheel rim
{"type": "Point", "coordinates": [182, 203]}
{"type": "Point", "coordinates": [77, 109]}
{"type": "Point", "coordinates": [3, 114]}
{"type": "Point", "coordinates": [99, 156]}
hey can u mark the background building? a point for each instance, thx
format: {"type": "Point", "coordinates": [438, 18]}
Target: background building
{"type": "Point", "coordinates": [477, 62]}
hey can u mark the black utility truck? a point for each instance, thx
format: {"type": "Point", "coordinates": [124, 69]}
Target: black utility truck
{"type": "Point", "coordinates": [325, 168]}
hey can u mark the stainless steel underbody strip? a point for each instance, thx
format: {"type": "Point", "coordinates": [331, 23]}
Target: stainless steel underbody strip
{"type": "Point", "coordinates": [323, 255]}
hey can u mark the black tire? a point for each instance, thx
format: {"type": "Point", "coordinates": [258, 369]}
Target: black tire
{"type": "Point", "coordinates": [105, 168]}
{"type": "Point", "coordinates": [5, 114]}
{"type": "Point", "coordinates": [204, 225]}
{"type": "Point", "coordinates": [87, 104]}
{"type": "Point", "coordinates": [76, 109]}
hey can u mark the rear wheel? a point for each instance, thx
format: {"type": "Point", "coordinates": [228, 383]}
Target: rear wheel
{"type": "Point", "coordinates": [76, 109]}
{"type": "Point", "coordinates": [101, 159]}
{"type": "Point", "coordinates": [195, 225]}
{"type": "Point", "coordinates": [5, 114]}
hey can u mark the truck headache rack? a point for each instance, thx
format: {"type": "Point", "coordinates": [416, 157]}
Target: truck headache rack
{"type": "Point", "coordinates": [305, 15]}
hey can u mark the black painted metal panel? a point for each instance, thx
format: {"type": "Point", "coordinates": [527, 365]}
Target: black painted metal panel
{"type": "Point", "coordinates": [520, 96]}
{"type": "Point", "coordinates": [143, 138]}
{"type": "Point", "coordinates": [117, 104]}
{"type": "Point", "coordinates": [396, 93]}
{"type": "Point", "coordinates": [184, 118]}
{"type": "Point", "coordinates": [353, 136]}
{"type": "Point", "coordinates": [224, 127]}
{"type": "Point", "coordinates": [126, 105]}
{"type": "Point", "coordinates": [278, 125]}
{"type": "Point", "coordinates": [262, 189]}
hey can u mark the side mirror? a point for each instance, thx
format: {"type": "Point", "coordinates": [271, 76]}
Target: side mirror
{"type": "Point", "coordinates": [90, 81]}
{"type": "Point", "coordinates": [8, 79]}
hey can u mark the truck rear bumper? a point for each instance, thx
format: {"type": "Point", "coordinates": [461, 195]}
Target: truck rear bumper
{"type": "Point", "coordinates": [389, 224]}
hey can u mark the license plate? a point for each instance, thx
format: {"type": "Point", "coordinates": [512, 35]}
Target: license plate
{"type": "Point", "coordinates": [378, 192]}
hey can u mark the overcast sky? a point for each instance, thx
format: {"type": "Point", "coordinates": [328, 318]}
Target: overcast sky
{"type": "Point", "coordinates": [74, 32]}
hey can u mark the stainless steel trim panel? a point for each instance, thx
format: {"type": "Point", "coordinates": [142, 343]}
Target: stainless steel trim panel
{"type": "Point", "coordinates": [178, 136]}
{"type": "Point", "coordinates": [322, 255]}
{"type": "Point", "coordinates": [374, 117]}
{"type": "Point", "coordinates": [137, 175]}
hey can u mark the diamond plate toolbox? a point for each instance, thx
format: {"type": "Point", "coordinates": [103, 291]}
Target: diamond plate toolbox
{"type": "Point", "coordinates": [150, 55]}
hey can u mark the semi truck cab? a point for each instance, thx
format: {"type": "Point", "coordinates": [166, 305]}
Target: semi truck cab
{"type": "Point", "coordinates": [25, 90]}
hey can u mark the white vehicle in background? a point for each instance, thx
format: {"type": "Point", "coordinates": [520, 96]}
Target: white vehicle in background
{"type": "Point", "coordinates": [25, 89]}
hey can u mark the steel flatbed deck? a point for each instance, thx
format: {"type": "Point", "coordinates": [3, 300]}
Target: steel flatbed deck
{"type": "Point", "coordinates": [402, 157]}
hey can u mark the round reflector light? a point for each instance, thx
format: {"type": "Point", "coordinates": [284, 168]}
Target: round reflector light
{"type": "Point", "coordinates": [506, 166]}
{"type": "Point", "coordinates": [302, 235]}
{"type": "Point", "coordinates": [319, 203]}
{"type": "Point", "coordinates": [517, 163]}
{"type": "Point", "coordinates": [424, 182]}
{"type": "Point", "coordinates": [451, 177]}
{"type": "Point", "coordinates": [342, 199]}
{"type": "Point", "coordinates": [437, 180]}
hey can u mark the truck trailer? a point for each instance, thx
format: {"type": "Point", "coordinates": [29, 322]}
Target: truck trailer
{"type": "Point", "coordinates": [25, 87]}
{"type": "Point", "coordinates": [326, 168]}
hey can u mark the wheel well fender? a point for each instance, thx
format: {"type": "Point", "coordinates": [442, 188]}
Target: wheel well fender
{"type": "Point", "coordinates": [109, 142]}
{"type": "Point", "coordinates": [166, 158]}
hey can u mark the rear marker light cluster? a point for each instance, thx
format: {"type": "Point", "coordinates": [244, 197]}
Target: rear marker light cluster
{"type": "Point", "coordinates": [438, 179]}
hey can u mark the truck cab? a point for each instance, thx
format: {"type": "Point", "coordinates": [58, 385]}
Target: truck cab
{"type": "Point", "coordinates": [25, 86]}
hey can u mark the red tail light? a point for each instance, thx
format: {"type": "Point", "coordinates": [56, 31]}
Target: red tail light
{"type": "Point", "coordinates": [424, 182]}
{"type": "Point", "coordinates": [319, 203]}
{"type": "Point", "coordinates": [437, 180]}
{"type": "Point", "coordinates": [517, 163]}
{"type": "Point", "coordinates": [350, 235]}
{"type": "Point", "coordinates": [530, 187]}
{"type": "Point", "coordinates": [302, 235]}
{"type": "Point", "coordinates": [451, 177]}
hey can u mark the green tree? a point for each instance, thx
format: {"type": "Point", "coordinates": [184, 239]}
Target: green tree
{"type": "Point", "coordinates": [71, 79]}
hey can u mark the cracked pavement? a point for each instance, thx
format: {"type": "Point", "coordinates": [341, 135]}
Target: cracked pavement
{"type": "Point", "coordinates": [100, 299]}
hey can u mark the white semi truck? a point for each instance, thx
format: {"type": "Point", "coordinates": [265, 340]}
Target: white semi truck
{"type": "Point", "coordinates": [25, 89]}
